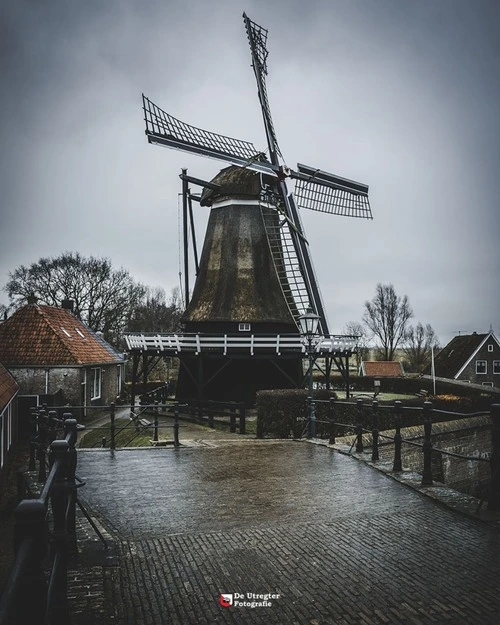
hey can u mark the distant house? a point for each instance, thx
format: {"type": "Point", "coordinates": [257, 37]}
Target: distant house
{"type": "Point", "coordinates": [8, 430]}
{"type": "Point", "coordinates": [473, 358]}
{"type": "Point", "coordinates": [57, 359]}
{"type": "Point", "coordinates": [381, 369]}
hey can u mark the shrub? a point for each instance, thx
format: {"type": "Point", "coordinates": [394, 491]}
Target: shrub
{"type": "Point", "coordinates": [282, 413]}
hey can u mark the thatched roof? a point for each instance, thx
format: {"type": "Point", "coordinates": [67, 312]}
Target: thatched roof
{"type": "Point", "coordinates": [237, 280]}
{"type": "Point", "coordinates": [237, 183]}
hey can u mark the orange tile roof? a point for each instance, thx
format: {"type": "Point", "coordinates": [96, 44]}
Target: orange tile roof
{"type": "Point", "coordinates": [45, 335]}
{"type": "Point", "coordinates": [8, 387]}
{"type": "Point", "coordinates": [382, 368]}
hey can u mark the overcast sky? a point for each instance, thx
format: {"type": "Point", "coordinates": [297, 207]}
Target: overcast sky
{"type": "Point", "coordinates": [398, 94]}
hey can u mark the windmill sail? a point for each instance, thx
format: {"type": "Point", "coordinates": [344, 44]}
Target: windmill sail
{"type": "Point", "coordinates": [320, 191]}
{"type": "Point", "coordinates": [164, 129]}
{"type": "Point", "coordinates": [257, 37]}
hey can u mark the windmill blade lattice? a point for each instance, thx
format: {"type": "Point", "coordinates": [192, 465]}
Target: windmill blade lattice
{"type": "Point", "coordinates": [257, 37]}
{"type": "Point", "coordinates": [164, 129]}
{"type": "Point", "coordinates": [317, 197]}
{"type": "Point", "coordinates": [327, 193]}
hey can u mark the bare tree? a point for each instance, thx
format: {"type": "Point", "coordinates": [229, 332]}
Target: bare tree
{"type": "Point", "coordinates": [387, 316]}
{"type": "Point", "coordinates": [155, 313]}
{"type": "Point", "coordinates": [103, 297]}
{"type": "Point", "coordinates": [418, 345]}
{"type": "Point", "coordinates": [358, 329]}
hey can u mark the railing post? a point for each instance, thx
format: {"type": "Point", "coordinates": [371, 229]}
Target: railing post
{"type": "Point", "coordinates": [427, 447]}
{"type": "Point", "coordinates": [31, 597]}
{"type": "Point", "coordinates": [42, 446]}
{"type": "Point", "coordinates": [397, 465]}
{"type": "Point", "coordinates": [57, 607]}
{"type": "Point", "coordinates": [359, 427]}
{"type": "Point", "coordinates": [232, 421]}
{"type": "Point", "coordinates": [210, 411]}
{"type": "Point", "coordinates": [112, 426]}
{"type": "Point", "coordinates": [155, 427]}
{"type": "Point", "coordinates": [331, 415]}
{"type": "Point", "coordinates": [243, 429]}
{"type": "Point", "coordinates": [176, 432]}
{"type": "Point", "coordinates": [494, 494]}
{"type": "Point", "coordinates": [33, 443]}
{"type": "Point", "coordinates": [70, 433]}
{"type": "Point", "coordinates": [375, 454]}
{"type": "Point", "coordinates": [52, 425]}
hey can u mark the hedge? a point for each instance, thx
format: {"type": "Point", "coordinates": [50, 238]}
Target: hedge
{"type": "Point", "coordinates": [283, 413]}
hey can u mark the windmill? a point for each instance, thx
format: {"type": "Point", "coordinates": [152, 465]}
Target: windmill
{"type": "Point", "coordinates": [254, 224]}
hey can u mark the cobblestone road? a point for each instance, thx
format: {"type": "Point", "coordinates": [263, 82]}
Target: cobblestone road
{"type": "Point", "coordinates": [337, 541]}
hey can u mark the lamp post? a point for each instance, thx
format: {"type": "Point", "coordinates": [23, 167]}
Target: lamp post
{"type": "Point", "coordinates": [309, 323]}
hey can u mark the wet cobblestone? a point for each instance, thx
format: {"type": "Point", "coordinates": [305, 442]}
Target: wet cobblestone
{"type": "Point", "coordinates": [339, 542]}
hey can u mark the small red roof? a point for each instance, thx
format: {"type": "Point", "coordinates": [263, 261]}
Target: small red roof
{"type": "Point", "coordinates": [45, 335]}
{"type": "Point", "coordinates": [8, 388]}
{"type": "Point", "coordinates": [382, 368]}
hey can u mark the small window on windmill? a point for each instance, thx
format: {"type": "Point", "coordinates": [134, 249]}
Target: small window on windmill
{"type": "Point", "coordinates": [66, 332]}
{"type": "Point", "coordinates": [244, 327]}
{"type": "Point", "coordinates": [80, 333]}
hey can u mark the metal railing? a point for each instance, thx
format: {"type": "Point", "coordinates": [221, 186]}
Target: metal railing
{"type": "Point", "coordinates": [29, 596]}
{"type": "Point", "coordinates": [428, 449]}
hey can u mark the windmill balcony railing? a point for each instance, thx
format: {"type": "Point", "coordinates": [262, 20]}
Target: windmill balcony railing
{"type": "Point", "coordinates": [226, 344]}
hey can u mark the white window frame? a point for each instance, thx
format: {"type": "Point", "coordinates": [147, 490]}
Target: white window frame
{"type": "Point", "coordinates": [244, 327]}
{"type": "Point", "coordinates": [487, 383]}
{"type": "Point", "coordinates": [496, 365]}
{"type": "Point", "coordinates": [95, 383]}
{"type": "Point", "coordinates": [485, 367]}
{"type": "Point", "coordinates": [490, 347]}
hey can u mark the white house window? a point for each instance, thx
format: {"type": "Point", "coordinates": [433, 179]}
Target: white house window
{"type": "Point", "coordinates": [490, 348]}
{"type": "Point", "coordinates": [481, 366]}
{"type": "Point", "coordinates": [487, 383]}
{"type": "Point", "coordinates": [496, 366]}
{"type": "Point", "coordinates": [95, 383]}
{"type": "Point", "coordinates": [244, 327]}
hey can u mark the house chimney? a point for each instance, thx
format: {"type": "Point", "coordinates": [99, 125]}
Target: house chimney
{"type": "Point", "coordinates": [32, 299]}
{"type": "Point", "coordinates": [68, 304]}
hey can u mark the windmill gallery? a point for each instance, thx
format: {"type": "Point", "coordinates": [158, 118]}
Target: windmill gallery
{"type": "Point", "coordinates": [255, 277]}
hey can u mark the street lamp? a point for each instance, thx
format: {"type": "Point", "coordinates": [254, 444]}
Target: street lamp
{"type": "Point", "coordinates": [309, 323]}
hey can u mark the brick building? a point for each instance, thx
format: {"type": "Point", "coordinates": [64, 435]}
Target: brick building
{"type": "Point", "coordinates": [381, 369]}
{"type": "Point", "coordinates": [56, 359]}
{"type": "Point", "coordinates": [473, 358]}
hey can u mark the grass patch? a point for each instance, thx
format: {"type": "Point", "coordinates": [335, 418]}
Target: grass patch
{"type": "Point", "coordinates": [251, 426]}
{"type": "Point", "coordinates": [124, 432]}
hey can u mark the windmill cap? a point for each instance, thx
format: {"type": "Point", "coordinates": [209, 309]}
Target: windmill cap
{"type": "Point", "coordinates": [235, 183]}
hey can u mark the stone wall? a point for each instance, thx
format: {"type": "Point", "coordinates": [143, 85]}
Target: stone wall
{"type": "Point", "coordinates": [467, 437]}
{"type": "Point", "coordinates": [50, 381]}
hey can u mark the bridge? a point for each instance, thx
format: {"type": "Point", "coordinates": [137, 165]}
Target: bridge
{"type": "Point", "coordinates": [294, 531]}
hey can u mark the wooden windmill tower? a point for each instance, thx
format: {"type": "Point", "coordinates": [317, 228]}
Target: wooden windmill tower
{"type": "Point", "coordinates": [255, 276]}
